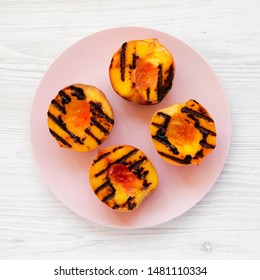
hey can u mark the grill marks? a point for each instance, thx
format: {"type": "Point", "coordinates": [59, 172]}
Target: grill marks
{"type": "Point", "coordinates": [60, 139]}
{"type": "Point", "coordinates": [122, 61]}
{"type": "Point", "coordinates": [103, 186]}
{"type": "Point", "coordinates": [185, 161]}
{"type": "Point", "coordinates": [120, 160]}
{"type": "Point", "coordinates": [102, 155]}
{"type": "Point", "coordinates": [159, 84]}
{"type": "Point", "coordinates": [130, 204]}
{"type": "Point", "coordinates": [110, 196]}
{"type": "Point", "coordinates": [192, 115]}
{"type": "Point", "coordinates": [160, 135]}
{"type": "Point", "coordinates": [98, 117]}
{"type": "Point", "coordinates": [164, 86]}
{"type": "Point", "coordinates": [97, 111]}
{"type": "Point", "coordinates": [148, 95]}
{"type": "Point", "coordinates": [78, 92]}
{"type": "Point", "coordinates": [89, 133]}
{"type": "Point", "coordinates": [191, 112]}
{"type": "Point", "coordinates": [109, 188]}
{"type": "Point", "coordinates": [135, 163]}
{"type": "Point", "coordinates": [93, 121]}
{"type": "Point", "coordinates": [134, 60]}
{"type": "Point", "coordinates": [58, 106]}
{"type": "Point", "coordinates": [63, 126]}
{"type": "Point", "coordinates": [65, 99]}
{"type": "Point", "coordinates": [169, 79]}
{"type": "Point", "coordinates": [164, 77]}
{"type": "Point", "coordinates": [123, 55]}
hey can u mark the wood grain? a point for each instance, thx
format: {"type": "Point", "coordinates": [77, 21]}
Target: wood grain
{"type": "Point", "coordinates": [35, 225]}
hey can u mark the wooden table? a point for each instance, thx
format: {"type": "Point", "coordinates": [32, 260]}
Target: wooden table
{"type": "Point", "coordinates": [223, 225]}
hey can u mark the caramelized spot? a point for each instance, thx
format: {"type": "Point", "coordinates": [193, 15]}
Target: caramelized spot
{"type": "Point", "coordinates": [145, 74]}
{"type": "Point", "coordinates": [120, 174]}
{"type": "Point", "coordinates": [78, 115]}
{"type": "Point", "coordinates": [180, 130]}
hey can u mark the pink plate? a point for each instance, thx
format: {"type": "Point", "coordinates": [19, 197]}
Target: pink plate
{"type": "Point", "coordinates": [66, 172]}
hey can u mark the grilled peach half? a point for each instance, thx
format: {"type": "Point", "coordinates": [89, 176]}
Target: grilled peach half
{"type": "Point", "coordinates": [80, 117]}
{"type": "Point", "coordinates": [142, 71]}
{"type": "Point", "coordinates": [183, 134]}
{"type": "Point", "coordinates": [122, 177]}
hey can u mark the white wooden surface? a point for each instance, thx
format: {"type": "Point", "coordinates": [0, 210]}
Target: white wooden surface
{"type": "Point", "coordinates": [35, 225]}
